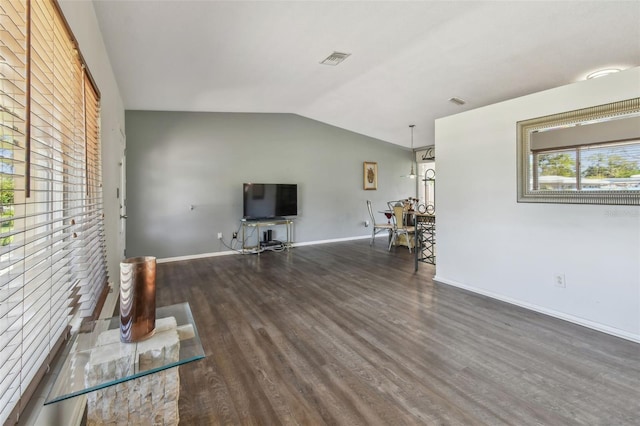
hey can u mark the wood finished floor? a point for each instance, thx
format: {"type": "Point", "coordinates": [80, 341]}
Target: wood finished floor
{"type": "Point", "coordinates": [348, 334]}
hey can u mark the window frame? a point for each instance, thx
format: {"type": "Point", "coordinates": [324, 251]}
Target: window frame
{"type": "Point", "coordinates": [526, 174]}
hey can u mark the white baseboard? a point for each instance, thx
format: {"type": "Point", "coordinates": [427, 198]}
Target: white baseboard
{"type": "Point", "coordinates": [228, 252]}
{"type": "Point", "coordinates": [196, 256]}
{"type": "Point", "coordinates": [334, 240]}
{"type": "Point", "coordinates": [556, 314]}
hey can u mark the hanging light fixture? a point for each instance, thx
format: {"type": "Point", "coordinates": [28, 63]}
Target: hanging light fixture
{"type": "Point", "coordinates": [412, 175]}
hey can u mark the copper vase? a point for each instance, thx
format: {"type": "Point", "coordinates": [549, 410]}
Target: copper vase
{"type": "Point", "coordinates": [137, 298]}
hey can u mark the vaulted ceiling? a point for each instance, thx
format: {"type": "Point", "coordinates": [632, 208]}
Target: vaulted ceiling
{"type": "Point", "coordinates": [407, 58]}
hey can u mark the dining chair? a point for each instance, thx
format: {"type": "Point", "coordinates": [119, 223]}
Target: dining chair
{"type": "Point", "coordinates": [398, 222]}
{"type": "Point", "coordinates": [377, 227]}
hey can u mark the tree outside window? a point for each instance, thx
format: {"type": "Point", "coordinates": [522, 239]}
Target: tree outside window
{"type": "Point", "coordinates": [604, 167]}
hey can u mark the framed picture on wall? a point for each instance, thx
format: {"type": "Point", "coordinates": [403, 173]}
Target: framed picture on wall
{"type": "Point", "coordinates": [370, 175]}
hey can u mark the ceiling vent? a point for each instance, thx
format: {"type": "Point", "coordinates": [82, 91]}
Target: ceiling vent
{"type": "Point", "coordinates": [457, 101]}
{"type": "Point", "coordinates": [335, 58]}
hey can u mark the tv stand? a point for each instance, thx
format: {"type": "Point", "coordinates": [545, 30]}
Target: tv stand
{"type": "Point", "coordinates": [256, 224]}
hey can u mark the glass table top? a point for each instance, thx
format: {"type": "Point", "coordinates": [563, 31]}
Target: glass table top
{"type": "Point", "coordinates": [96, 359]}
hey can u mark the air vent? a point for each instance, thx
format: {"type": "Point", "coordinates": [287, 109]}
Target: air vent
{"type": "Point", "coordinates": [457, 101]}
{"type": "Point", "coordinates": [335, 58]}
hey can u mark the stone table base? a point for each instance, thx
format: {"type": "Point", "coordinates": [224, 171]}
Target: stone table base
{"type": "Point", "coordinates": [147, 400]}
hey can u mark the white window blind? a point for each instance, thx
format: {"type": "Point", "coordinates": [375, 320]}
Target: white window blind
{"type": "Point", "coordinates": [91, 270]}
{"type": "Point", "coordinates": [609, 131]}
{"type": "Point", "coordinates": [52, 259]}
{"type": "Point", "coordinates": [13, 66]}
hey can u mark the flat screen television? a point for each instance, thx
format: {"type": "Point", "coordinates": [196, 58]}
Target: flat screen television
{"type": "Point", "coordinates": [269, 200]}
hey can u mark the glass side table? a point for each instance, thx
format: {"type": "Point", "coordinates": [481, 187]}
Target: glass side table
{"type": "Point", "coordinates": [132, 379]}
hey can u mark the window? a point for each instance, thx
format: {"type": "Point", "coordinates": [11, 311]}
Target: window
{"type": "Point", "coordinates": [589, 156]}
{"type": "Point", "coordinates": [52, 263]}
{"type": "Point", "coordinates": [613, 167]}
{"type": "Point", "coordinates": [427, 186]}
{"type": "Point", "coordinates": [426, 179]}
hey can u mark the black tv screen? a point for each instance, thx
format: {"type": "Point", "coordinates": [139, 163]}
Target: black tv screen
{"type": "Point", "coordinates": [269, 200]}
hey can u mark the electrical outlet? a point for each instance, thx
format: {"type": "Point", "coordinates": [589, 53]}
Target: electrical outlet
{"type": "Point", "coordinates": [235, 235]}
{"type": "Point", "coordinates": [366, 223]}
{"type": "Point", "coordinates": [559, 280]}
{"type": "Point", "coordinates": [219, 235]}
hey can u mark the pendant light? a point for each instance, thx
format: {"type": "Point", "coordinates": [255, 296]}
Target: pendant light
{"type": "Point", "coordinates": [412, 175]}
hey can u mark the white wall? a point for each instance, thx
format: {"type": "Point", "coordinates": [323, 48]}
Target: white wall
{"type": "Point", "coordinates": [83, 22]}
{"type": "Point", "coordinates": [490, 244]}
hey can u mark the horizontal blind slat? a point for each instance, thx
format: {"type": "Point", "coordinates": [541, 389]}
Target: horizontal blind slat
{"type": "Point", "coordinates": [52, 241]}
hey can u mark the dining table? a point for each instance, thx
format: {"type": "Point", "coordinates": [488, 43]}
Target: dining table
{"type": "Point", "coordinates": [407, 220]}
{"type": "Point", "coordinates": [424, 239]}
{"type": "Point", "coordinates": [388, 214]}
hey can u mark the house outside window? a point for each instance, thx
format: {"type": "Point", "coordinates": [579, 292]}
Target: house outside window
{"type": "Point", "coordinates": [614, 167]}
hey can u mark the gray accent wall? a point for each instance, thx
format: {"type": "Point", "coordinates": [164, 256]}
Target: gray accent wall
{"type": "Point", "coordinates": [176, 160]}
